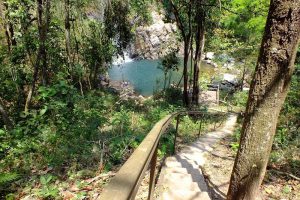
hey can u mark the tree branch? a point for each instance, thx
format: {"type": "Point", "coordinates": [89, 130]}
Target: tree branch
{"type": "Point", "coordinates": [178, 20]}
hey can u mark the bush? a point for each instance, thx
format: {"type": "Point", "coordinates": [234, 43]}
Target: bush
{"type": "Point", "coordinates": [240, 98]}
{"type": "Point", "coordinates": [173, 95]}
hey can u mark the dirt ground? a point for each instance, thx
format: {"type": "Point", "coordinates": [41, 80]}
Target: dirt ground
{"type": "Point", "coordinates": [217, 170]}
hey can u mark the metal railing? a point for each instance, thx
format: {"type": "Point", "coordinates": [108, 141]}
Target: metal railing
{"type": "Point", "coordinates": [125, 184]}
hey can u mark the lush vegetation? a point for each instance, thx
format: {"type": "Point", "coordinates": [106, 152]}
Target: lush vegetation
{"type": "Point", "coordinates": [61, 124]}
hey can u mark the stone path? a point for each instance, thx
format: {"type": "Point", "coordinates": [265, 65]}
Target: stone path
{"type": "Point", "coordinates": [181, 177]}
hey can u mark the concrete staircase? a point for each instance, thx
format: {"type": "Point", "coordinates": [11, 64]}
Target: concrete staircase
{"type": "Point", "coordinates": [181, 177]}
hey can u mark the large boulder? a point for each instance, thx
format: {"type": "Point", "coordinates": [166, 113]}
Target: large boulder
{"type": "Point", "coordinates": [155, 40]}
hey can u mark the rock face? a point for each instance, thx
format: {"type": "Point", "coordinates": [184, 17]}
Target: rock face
{"type": "Point", "coordinates": [154, 41]}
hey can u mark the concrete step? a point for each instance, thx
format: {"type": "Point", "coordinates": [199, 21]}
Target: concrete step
{"type": "Point", "coordinates": [183, 194]}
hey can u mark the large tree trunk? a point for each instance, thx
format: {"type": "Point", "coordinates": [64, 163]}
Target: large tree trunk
{"type": "Point", "coordinates": [185, 73]}
{"type": "Point", "coordinates": [267, 94]}
{"type": "Point", "coordinates": [200, 39]}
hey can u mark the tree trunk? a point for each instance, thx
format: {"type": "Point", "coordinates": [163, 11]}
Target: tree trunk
{"type": "Point", "coordinates": [267, 94]}
{"type": "Point", "coordinates": [191, 63]}
{"type": "Point", "coordinates": [41, 59]}
{"type": "Point", "coordinates": [4, 24]}
{"type": "Point", "coordinates": [165, 81]}
{"type": "Point", "coordinates": [43, 7]}
{"type": "Point", "coordinates": [95, 75]}
{"type": "Point", "coordinates": [68, 31]}
{"type": "Point", "coordinates": [170, 78]}
{"type": "Point", "coordinates": [243, 78]}
{"type": "Point", "coordinates": [200, 38]}
{"type": "Point", "coordinates": [7, 26]}
{"type": "Point", "coordinates": [12, 34]}
{"type": "Point", "coordinates": [185, 74]}
{"type": "Point", "coordinates": [5, 118]}
{"type": "Point", "coordinates": [186, 35]}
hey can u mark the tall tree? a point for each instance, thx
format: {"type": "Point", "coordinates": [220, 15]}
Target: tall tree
{"type": "Point", "coordinates": [43, 21]}
{"type": "Point", "coordinates": [267, 94]}
{"type": "Point", "coordinates": [190, 17]}
{"type": "Point", "coordinates": [182, 11]}
{"type": "Point", "coordinates": [199, 41]}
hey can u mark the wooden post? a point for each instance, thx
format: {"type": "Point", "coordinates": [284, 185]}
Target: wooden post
{"type": "Point", "coordinates": [176, 133]}
{"type": "Point", "coordinates": [218, 95]}
{"type": "Point", "coordinates": [200, 127]}
{"type": "Point", "coordinates": [152, 174]}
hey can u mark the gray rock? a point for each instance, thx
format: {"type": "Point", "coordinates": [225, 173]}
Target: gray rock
{"type": "Point", "coordinates": [210, 55]}
{"type": "Point", "coordinates": [155, 40]}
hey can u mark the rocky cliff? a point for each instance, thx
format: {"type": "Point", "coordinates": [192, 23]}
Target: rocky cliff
{"type": "Point", "coordinates": [154, 41]}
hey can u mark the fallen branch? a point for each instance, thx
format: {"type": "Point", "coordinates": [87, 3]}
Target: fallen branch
{"type": "Point", "coordinates": [101, 176]}
{"type": "Point", "coordinates": [285, 173]}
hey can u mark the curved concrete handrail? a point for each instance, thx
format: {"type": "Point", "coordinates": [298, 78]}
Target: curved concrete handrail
{"type": "Point", "coordinates": [125, 184]}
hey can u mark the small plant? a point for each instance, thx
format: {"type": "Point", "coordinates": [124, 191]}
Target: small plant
{"type": "Point", "coordinates": [48, 190]}
{"type": "Point", "coordinates": [287, 189]}
{"type": "Point", "coordinates": [234, 146]}
{"type": "Point", "coordinates": [282, 137]}
{"type": "Point", "coordinates": [236, 139]}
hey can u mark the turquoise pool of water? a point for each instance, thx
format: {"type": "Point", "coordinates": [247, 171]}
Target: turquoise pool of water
{"type": "Point", "coordinates": [144, 75]}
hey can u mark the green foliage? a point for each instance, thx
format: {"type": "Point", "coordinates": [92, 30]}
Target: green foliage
{"type": "Point", "coordinates": [288, 126]}
{"type": "Point", "coordinates": [246, 18]}
{"type": "Point", "coordinates": [166, 144]}
{"type": "Point", "coordinates": [173, 95]}
{"type": "Point", "coordinates": [48, 190]}
{"type": "Point", "coordinates": [169, 63]}
{"type": "Point", "coordinates": [121, 120]}
{"type": "Point", "coordinates": [6, 178]}
{"type": "Point", "coordinates": [236, 139]}
{"type": "Point", "coordinates": [117, 24]}
{"type": "Point", "coordinates": [75, 127]}
{"type": "Point", "coordinates": [240, 98]}
{"type": "Point", "coordinates": [141, 11]}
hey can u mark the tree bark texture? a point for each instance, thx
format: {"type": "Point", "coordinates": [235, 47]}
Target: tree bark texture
{"type": "Point", "coordinates": [200, 39]}
{"type": "Point", "coordinates": [268, 91]}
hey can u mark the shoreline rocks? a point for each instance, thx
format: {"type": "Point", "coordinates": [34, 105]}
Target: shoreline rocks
{"type": "Point", "coordinates": [126, 91]}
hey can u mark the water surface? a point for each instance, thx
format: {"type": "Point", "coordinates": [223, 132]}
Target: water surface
{"type": "Point", "coordinates": [145, 76]}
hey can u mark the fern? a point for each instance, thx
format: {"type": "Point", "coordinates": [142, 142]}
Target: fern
{"type": "Point", "coordinates": [8, 177]}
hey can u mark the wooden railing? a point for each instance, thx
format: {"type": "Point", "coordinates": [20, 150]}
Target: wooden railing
{"type": "Point", "coordinates": [125, 184]}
